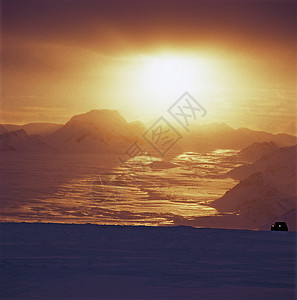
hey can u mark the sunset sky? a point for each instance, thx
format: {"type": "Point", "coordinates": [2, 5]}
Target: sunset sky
{"type": "Point", "coordinates": [237, 58]}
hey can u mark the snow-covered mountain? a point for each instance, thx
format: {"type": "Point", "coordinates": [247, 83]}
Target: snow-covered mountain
{"type": "Point", "coordinates": [20, 140]}
{"type": "Point", "coordinates": [12, 140]}
{"type": "Point", "coordinates": [97, 130]}
{"type": "Point", "coordinates": [279, 166]}
{"type": "Point", "coordinates": [257, 151]}
{"type": "Point", "coordinates": [256, 199]}
{"type": "Point", "coordinates": [266, 193]}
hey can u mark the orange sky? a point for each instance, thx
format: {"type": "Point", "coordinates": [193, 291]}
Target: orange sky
{"type": "Point", "coordinates": [61, 58]}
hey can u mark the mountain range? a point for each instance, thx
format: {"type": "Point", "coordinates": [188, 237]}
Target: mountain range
{"type": "Point", "coordinates": [41, 129]}
{"type": "Point", "coordinates": [221, 136]}
{"type": "Point", "coordinates": [106, 131]}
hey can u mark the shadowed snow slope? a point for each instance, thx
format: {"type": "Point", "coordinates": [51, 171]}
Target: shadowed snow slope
{"type": "Point", "coordinates": [3, 129]}
{"type": "Point", "coordinates": [257, 151]}
{"type": "Point", "coordinates": [267, 190]}
{"type": "Point", "coordinates": [279, 166]}
{"type": "Point", "coordinates": [55, 261]}
{"type": "Point", "coordinates": [256, 200]}
{"type": "Point", "coordinates": [289, 218]}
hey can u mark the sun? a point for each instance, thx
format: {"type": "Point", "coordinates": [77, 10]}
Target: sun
{"type": "Point", "coordinates": [172, 75]}
{"type": "Point", "coordinates": [170, 72]}
{"type": "Point", "coordinates": [148, 84]}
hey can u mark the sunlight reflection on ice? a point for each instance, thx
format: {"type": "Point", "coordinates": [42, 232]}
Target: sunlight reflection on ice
{"type": "Point", "coordinates": [133, 193]}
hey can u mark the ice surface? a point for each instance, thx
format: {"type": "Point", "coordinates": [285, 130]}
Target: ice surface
{"type": "Point", "coordinates": [67, 188]}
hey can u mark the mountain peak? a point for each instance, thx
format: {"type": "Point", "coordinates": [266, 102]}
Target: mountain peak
{"type": "Point", "coordinates": [95, 116]}
{"type": "Point", "coordinates": [97, 130]}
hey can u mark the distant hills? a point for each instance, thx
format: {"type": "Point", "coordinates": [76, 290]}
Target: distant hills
{"type": "Point", "coordinates": [221, 136]}
{"type": "Point", "coordinates": [34, 128]}
{"type": "Point", "coordinates": [106, 131]}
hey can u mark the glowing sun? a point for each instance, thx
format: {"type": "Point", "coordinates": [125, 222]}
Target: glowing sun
{"type": "Point", "coordinates": [171, 75]}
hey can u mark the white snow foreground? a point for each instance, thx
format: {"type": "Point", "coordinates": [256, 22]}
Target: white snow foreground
{"type": "Point", "coordinates": [59, 261]}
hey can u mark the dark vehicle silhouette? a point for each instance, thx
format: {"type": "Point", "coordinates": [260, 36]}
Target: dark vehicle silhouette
{"type": "Point", "coordinates": [279, 226]}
